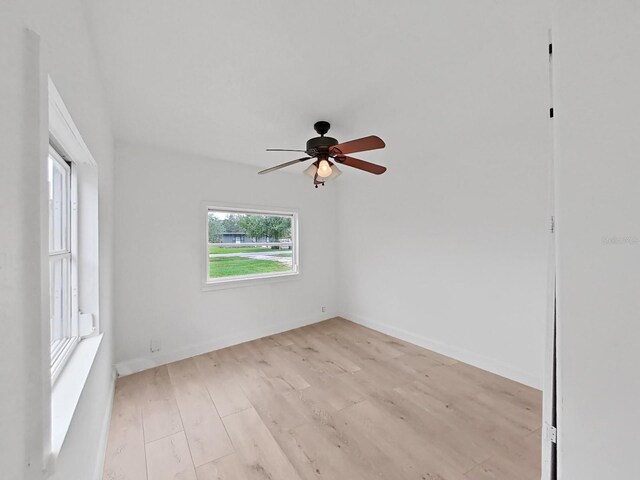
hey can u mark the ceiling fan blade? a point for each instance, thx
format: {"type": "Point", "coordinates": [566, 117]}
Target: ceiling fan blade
{"type": "Point", "coordinates": [282, 165]}
{"type": "Point", "coordinates": [360, 145]}
{"type": "Point", "coordinates": [361, 165]}
{"type": "Point", "coordinates": [284, 150]}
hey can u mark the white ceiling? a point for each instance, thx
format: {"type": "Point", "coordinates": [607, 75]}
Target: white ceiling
{"type": "Point", "coordinates": [227, 79]}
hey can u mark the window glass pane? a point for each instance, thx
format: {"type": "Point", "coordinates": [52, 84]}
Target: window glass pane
{"type": "Point", "coordinates": [59, 305]}
{"type": "Point", "coordinates": [59, 183]}
{"type": "Point", "coordinates": [58, 206]}
{"type": "Point", "coordinates": [249, 244]}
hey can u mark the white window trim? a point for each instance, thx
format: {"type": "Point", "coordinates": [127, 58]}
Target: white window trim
{"type": "Point", "coordinates": [249, 280]}
{"type": "Point", "coordinates": [63, 131]}
{"type": "Point", "coordinates": [65, 394]}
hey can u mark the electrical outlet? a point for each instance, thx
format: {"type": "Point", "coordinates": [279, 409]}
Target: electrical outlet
{"type": "Point", "coordinates": [324, 309]}
{"type": "Point", "coordinates": [154, 346]}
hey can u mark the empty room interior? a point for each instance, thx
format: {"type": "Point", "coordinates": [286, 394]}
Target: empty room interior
{"type": "Point", "coordinates": [333, 240]}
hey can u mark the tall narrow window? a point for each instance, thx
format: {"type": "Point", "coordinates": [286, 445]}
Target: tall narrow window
{"type": "Point", "coordinates": [250, 244]}
{"type": "Point", "coordinates": [63, 320]}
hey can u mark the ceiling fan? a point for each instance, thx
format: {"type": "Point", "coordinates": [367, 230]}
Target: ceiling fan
{"type": "Point", "coordinates": [324, 148]}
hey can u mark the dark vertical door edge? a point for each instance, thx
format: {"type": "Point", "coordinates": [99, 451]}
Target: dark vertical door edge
{"type": "Point", "coordinates": [554, 394]}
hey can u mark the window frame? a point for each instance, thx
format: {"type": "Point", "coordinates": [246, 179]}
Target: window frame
{"type": "Point", "coordinates": [61, 353]}
{"type": "Point", "coordinates": [259, 278]}
{"type": "Point", "coordinates": [60, 399]}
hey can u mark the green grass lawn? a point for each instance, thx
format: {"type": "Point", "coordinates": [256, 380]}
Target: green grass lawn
{"type": "Point", "coordinates": [282, 255]}
{"type": "Point", "coordinates": [233, 266]}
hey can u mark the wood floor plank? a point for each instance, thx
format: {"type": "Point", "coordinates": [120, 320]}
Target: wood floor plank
{"type": "Point", "coordinates": [125, 455]}
{"type": "Point", "coordinates": [323, 451]}
{"type": "Point", "coordinates": [225, 391]}
{"type": "Point", "coordinates": [316, 359]}
{"type": "Point", "coordinates": [207, 437]}
{"type": "Point", "coordinates": [225, 468]}
{"type": "Point", "coordinates": [369, 342]}
{"type": "Point", "coordinates": [338, 391]}
{"type": "Point", "coordinates": [518, 462]}
{"type": "Point", "coordinates": [282, 339]}
{"type": "Point", "coordinates": [274, 366]}
{"type": "Point", "coordinates": [256, 448]}
{"type": "Point", "coordinates": [479, 423]}
{"type": "Point", "coordinates": [331, 354]}
{"type": "Point", "coordinates": [169, 459]}
{"type": "Point", "coordinates": [448, 441]}
{"type": "Point", "coordinates": [322, 448]}
{"type": "Point", "coordinates": [274, 407]}
{"type": "Point", "coordinates": [418, 362]}
{"type": "Point", "coordinates": [380, 374]}
{"type": "Point", "coordinates": [250, 376]}
{"type": "Point", "coordinates": [397, 439]}
{"type": "Point", "coordinates": [160, 414]}
{"type": "Point", "coordinates": [398, 344]}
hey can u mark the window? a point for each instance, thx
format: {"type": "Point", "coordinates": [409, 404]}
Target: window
{"type": "Point", "coordinates": [63, 315]}
{"type": "Point", "coordinates": [250, 244]}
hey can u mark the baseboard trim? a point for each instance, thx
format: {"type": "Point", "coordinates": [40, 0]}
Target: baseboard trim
{"type": "Point", "coordinates": [104, 435]}
{"type": "Point", "coordinates": [135, 365]}
{"type": "Point", "coordinates": [460, 354]}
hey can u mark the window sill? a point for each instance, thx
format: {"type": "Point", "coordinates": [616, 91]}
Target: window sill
{"type": "Point", "coordinates": [67, 390]}
{"type": "Point", "coordinates": [249, 281]}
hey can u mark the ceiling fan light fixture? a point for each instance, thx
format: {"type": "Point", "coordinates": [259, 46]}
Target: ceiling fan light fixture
{"type": "Point", "coordinates": [335, 173]}
{"type": "Point", "coordinates": [311, 170]}
{"type": "Point", "coordinates": [324, 169]}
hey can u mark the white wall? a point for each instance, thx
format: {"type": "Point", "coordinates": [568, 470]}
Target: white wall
{"type": "Point", "coordinates": [598, 158]}
{"type": "Point", "coordinates": [65, 53]}
{"type": "Point", "coordinates": [18, 284]}
{"type": "Point", "coordinates": [159, 254]}
{"type": "Point", "coordinates": [448, 249]}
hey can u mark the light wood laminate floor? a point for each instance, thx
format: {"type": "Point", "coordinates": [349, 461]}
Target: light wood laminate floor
{"type": "Point", "coordinates": [332, 400]}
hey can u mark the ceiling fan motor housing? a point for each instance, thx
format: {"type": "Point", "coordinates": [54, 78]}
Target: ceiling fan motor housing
{"type": "Point", "coordinates": [320, 145]}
